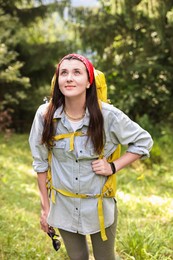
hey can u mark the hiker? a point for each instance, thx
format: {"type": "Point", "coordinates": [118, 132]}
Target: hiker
{"type": "Point", "coordinates": [71, 140]}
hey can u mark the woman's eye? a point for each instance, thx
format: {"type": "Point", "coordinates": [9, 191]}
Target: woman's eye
{"type": "Point", "coordinates": [77, 72]}
{"type": "Point", "coordinates": [63, 73]}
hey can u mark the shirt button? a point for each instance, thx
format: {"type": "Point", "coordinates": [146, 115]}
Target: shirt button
{"type": "Point", "coordinates": [80, 151]}
{"type": "Point", "coordinates": [76, 178]}
{"type": "Point", "coordinates": [76, 208]}
{"type": "Point", "coordinates": [76, 160]}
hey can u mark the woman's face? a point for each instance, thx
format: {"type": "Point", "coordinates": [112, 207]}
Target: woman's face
{"type": "Point", "coordinates": [73, 78]}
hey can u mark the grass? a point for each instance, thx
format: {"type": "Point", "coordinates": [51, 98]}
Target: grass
{"type": "Point", "coordinates": [20, 233]}
{"type": "Point", "coordinates": [145, 199]}
{"type": "Point", "coordinates": [144, 195]}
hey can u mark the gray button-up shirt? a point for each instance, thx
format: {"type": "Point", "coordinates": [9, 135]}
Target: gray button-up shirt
{"type": "Point", "coordinates": [72, 171]}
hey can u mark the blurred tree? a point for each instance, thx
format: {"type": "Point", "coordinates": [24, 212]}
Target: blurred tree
{"type": "Point", "coordinates": [133, 44]}
{"type": "Point", "coordinates": [12, 83]}
{"type": "Point", "coordinates": [32, 38]}
{"type": "Point", "coordinates": [130, 40]}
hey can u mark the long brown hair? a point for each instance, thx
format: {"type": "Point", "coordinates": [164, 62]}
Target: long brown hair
{"type": "Point", "coordinates": [95, 129]}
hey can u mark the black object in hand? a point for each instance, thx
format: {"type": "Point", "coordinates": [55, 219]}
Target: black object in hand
{"type": "Point", "coordinates": [55, 242]}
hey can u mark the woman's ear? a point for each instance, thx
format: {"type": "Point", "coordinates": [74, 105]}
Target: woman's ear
{"type": "Point", "coordinates": [88, 86]}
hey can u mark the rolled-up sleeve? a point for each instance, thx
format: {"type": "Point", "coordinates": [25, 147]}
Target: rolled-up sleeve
{"type": "Point", "coordinates": [129, 133]}
{"type": "Point", "coordinates": [38, 150]}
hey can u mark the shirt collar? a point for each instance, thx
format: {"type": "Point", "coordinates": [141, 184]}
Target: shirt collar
{"type": "Point", "coordinates": [59, 113]}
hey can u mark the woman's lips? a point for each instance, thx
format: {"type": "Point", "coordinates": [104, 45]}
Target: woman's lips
{"type": "Point", "coordinates": [69, 87]}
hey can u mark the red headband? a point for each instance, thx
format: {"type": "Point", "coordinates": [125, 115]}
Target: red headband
{"type": "Point", "coordinates": [85, 61]}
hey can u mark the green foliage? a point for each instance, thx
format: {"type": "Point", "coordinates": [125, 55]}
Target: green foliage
{"type": "Point", "coordinates": [144, 197]}
{"type": "Point", "coordinates": [132, 42]}
{"type": "Point", "coordinates": [31, 41]}
{"type": "Point", "coordinates": [12, 83]}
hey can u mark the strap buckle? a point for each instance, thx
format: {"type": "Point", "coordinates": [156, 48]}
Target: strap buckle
{"type": "Point", "coordinates": [91, 196]}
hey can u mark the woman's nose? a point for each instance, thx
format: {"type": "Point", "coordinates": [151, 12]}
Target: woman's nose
{"type": "Point", "coordinates": [69, 77]}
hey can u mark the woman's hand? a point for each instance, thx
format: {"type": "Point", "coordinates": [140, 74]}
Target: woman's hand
{"type": "Point", "coordinates": [102, 167]}
{"type": "Point", "coordinates": [43, 221]}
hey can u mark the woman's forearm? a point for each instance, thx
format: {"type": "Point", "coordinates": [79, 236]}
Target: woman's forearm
{"type": "Point", "coordinates": [44, 200]}
{"type": "Point", "coordinates": [125, 160]}
{"type": "Point", "coordinates": [41, 177]}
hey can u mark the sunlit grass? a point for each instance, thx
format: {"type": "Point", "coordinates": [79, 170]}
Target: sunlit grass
{"type": "Point", "coordinates": [145, 202]}
{"type": "Point", "coordinates": [20, 233]}
{"type": "Point", "coordinates": [145, 199]}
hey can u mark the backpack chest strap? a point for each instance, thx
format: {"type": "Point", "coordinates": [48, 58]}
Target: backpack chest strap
{"type": "Point", "coordinates": [70, 136]}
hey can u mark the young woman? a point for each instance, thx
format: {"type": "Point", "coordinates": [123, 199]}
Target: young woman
{"type": "Point", "coordinates": [76, 165]}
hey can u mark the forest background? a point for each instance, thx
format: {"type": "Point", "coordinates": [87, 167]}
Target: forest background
{"type": "Point", "coordinates": [131, 41]}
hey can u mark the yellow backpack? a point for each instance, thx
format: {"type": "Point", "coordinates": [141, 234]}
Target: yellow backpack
{"type": "Point", "coordinates": [109, 189]}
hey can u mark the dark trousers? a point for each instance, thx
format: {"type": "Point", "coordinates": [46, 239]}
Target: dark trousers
{"type": "Point", "coordinates": [77, 247]}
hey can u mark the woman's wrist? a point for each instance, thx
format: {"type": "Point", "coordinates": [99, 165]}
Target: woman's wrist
{"type": "Point", "coordinates": [113, 167]}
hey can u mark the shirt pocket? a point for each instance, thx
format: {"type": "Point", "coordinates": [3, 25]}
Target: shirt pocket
{"type": "Point", "coordinates": [59, 150]}
{"type": "Point", "coordinates": [88, 154]}
{"type": "Point", "coordinates": [88, 151]}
